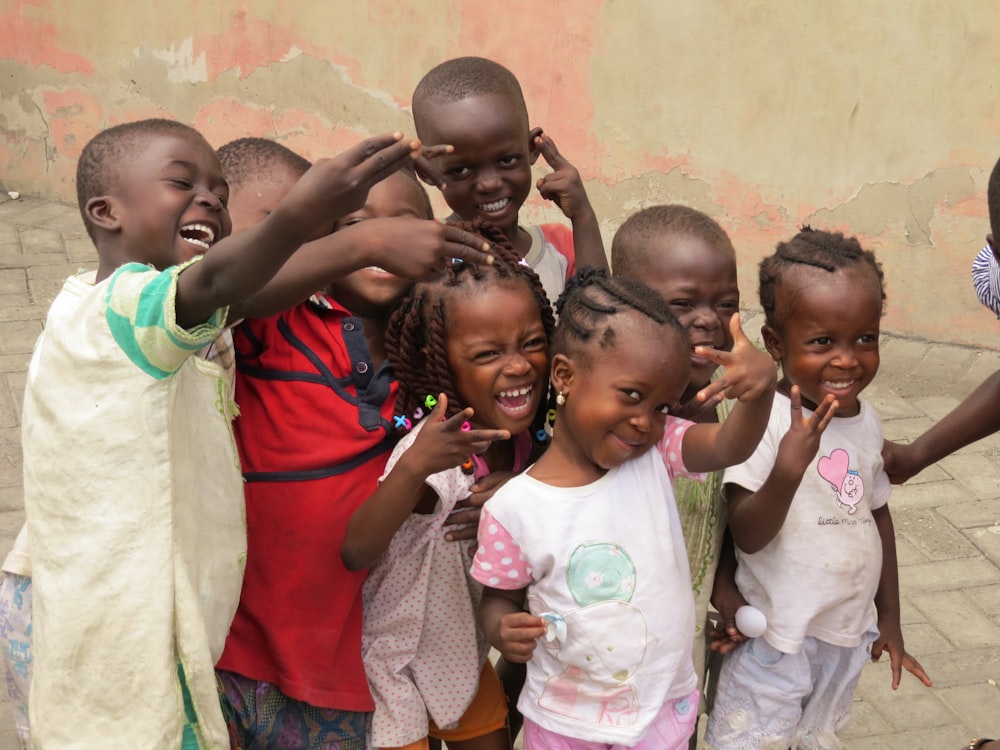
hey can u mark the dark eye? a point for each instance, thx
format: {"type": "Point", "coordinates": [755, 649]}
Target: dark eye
{"type": "Point", "coordinates": [535, 344]}
{"type": "Point", "coordinates": [182, 183]}
{"type": "Point", "coordinates": [486, 356]}
{"type": "Point", "coordinates": [729, 305]}
{"type": "Point", "coordinates": [868, 338]}
{"type": "Point", "coordinates": [223, 198]}
{"type": "Point", "coordinates": [458, 172]}
{"type": "Point", "coordinates": [683, 304]}
{"type": "Point", "coordinates": [663, 409]}
{"type": "Point", "coordinates": [350, 222]}
{"type": "Point", "coordinates": [510, 160]}
{"type": "Point", "coordinates": [631, 394]}
{"type": "Point", "coordinates": [822, 341]}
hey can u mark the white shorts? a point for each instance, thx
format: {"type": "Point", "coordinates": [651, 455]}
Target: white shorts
{"type": "Point", "coordinates": [769, 699]}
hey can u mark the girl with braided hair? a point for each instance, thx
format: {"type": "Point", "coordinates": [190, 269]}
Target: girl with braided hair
{"type": "Point", "coordinates": [588, 539]}
{"type": "Point", "coordinates": [808, 511]}
{"type": "Point", "coordinates": [470, 352]}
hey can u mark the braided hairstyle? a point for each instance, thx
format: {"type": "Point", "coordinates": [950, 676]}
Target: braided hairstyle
{"type": "Point", "coordinates": [588, 304]}
{"type": "Point", "coordinates": [813, 248]}
{"type": "Point", "coordinates": [418, 329]}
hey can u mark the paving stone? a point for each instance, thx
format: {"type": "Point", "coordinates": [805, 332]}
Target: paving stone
{"type": "Point", "coordinates": [67, 223]}
{"type": "Point", "coordinates": [987, 598]}
{"type": "Point", "coordinates": [979, 705]}
{"type": "Point", "coordinates": [42, 240]}
{"type": "Point", "coordinates": [81, 250]}
{"type": "Point", "coordinates": [911, 707]}
{"type": "Point", "coordinates": [8, 410]}
{"type": "Point", "coordinates": [12, 211]}
{"type": "Point", "coordinates": [948, 737]}
{"type": "Point", "coordinates": [19, 335]}
{"type": "Point", "coordinates": [906, 430]}
{"type": "Point", "coordinates": [906, 553]}
{"type": "Point", "coordinates": [900, 354]}
{"type": "Point", "coordinates": [978, 472]}
{"type": "Point", "coordinates": [967, 515]}
{"type": "Point", "coordinates": [928, 495]}
{"type": "Point", "coordinates": [12, 281]}
{"type": "Point", "coordinates": [11, 500]}
{"type": "Point", "coordinates": [949, 574]}
{"type": "Point", "coordinates": [37, 213]}
{"type": "Point", "coordinates": [865, 721]}
{"type": "Point", "coordinates": [983, 364]}
{"type": "Point", "coordinates": [17, 260]}
{"type": "Point", "coordinates": [925, 638]}
{"type": "Point", "coordinates": [932, 535]}
{"type": "Point", "coordinates": [936, 407]}
{"type": "Point", "coordinates": [987, 539]}
{"type": "Point", "coordinates": [958, 619]}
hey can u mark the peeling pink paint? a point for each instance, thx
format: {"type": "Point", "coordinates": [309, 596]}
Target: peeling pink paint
{"type": "Point", "coordinates": [973, 206]}
{"type": "Point", "coordinates": [30, 42]}
{"type": "Point", "coordinates": [73, 115]}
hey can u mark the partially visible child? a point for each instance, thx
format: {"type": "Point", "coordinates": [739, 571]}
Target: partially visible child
{"type": "Point", "coordinates": [808, 512]}
{"type": "Point", "coordinates": [689, 259]}
{"type": "Point", "coordinates": [132, 487]}
{"type": "Point", "coordinates": [476, 106]}
{"type": "Point", "coordinates": [316, 426]}
{"type": "Point", "coordinates": [978, 416]}
{"type": "Point", "coordinates": [424, 654]}
{"type": "Point", "coordinates": [588, 539]}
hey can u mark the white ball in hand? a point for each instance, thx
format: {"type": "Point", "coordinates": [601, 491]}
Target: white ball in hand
{"type": "Point", "coordinates": [751, 621]}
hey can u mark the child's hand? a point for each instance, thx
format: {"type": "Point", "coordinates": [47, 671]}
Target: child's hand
{"type": "Point", "coordinates": [726, 598]}
{"type": "Point", "coordinates": [748, 373]}
{"type": "Point", "coordinates": [423, 164]}
{"type": "Point", "coordinates": [418, 248]}
{"type": "Point", "coordinates": [518, 635]}
{"type": "Point", "coordinates": [445, 443]}
{"type": "Point", "coordinates": [799, 445]}
{"type": "Point", "coordinates": [891, 639]}
{"type": "Point", "coordinates": [464, 519]}
{"type": "Point", "coordinates": [564, 186]}
{"type": "Point", "coordinates": [900, 462]}
{"type": "Point", "coordinates": [332, 188]}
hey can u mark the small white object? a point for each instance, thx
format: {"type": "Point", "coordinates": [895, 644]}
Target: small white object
{"type": "Point", "coordinates": [555, 626]}
{"type": "Point", "coordinates": [13, 195]}
{"type": "Point", "coordinates": [751, 621]}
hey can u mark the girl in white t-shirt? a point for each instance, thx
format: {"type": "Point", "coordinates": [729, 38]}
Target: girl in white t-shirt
{"type": "Point", "coordinates": [808, 511]}
{"type": "Point", "coordinates": [588, 539]}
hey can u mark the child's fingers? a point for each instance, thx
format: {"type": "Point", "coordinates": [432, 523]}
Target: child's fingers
{"type": "Point", "coordinates": [913, 667]}
{"type": "Point", "coordinates": [427, 172]}
{"type": "Point", "coordinates": [714, 391]}
{"type": "Point", "coordinates": [466, 246]}
{"type": "Point", "coordinates": [825, 412]}
{"type": "Point", "coordinates": [736, 330]}
{"type": "Point", "coordinates": [432, 152]}
{"type": "Point", "coordinates": [375, 159]}
{"type": "Point", "coordinates": [547, 148]}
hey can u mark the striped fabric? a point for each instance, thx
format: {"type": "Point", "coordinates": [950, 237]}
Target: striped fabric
{"type": "Point", "coordinates": [986, 279]}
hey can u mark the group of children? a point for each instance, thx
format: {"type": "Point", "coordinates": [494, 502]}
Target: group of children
{"type": "Point", "coordinates": [297, 455]}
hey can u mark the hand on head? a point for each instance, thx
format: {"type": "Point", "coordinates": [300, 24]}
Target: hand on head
{"type": "Point", "coordinates": [564, 186]}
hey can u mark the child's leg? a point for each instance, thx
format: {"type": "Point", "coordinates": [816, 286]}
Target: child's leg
{"type": "Point", "coordinates": [836, 671]}
{"type": "Point", "coordinates": [15, 634]}
{"type": "Point", "coordinates": [759, 698]}
{"type": "Point", "coordinates": [483, 726]}
{"type": "Point", "coordinates": [259, 715]}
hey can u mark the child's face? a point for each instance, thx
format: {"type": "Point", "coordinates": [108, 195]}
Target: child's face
{"type": "Point", "coordinates": [498, 363]}
{"type": "Point", "coordinates": [488, 175]}
{"type": "Point", "coordinates": [827, 340]}
{"type": "Point", "coordinates": [254, 201]}
{"type": "Point", "coordinates": [699, 282]}
{"type": "Point", "coordinates": [617, 399]}
{"type": "Point", "coordinates": [372, 292]}
{"type": "Point", "coordinates": [170, 201]}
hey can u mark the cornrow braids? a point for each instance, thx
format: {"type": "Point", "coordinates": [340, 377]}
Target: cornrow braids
{"type": "Point", "coordinates": [588, 304]}
{"type": "Point", "coordinates": [418, 329]}
{"type": "Point", "coordinates": [828, 251]}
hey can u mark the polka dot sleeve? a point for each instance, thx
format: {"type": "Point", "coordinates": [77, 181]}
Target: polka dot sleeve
{"type": "Point", "coordinates": [670, 449]}
{"type": "Point", "coordinates": [499, 562]}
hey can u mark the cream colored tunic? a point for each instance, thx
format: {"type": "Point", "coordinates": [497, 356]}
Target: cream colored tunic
{"type": "Point", "coordinates": [135, 517]}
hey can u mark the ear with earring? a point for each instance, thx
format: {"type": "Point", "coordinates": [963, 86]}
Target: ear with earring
{"type": "Point", "coordinates": [561, 398]}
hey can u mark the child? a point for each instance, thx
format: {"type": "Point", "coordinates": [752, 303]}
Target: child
{"type": "Point", "coordinates": [132, 487]}
{"type": "Point", "coordinates": [589, 539]}
{"type": "Point", "coordinates": [808, 511]}
{"type": "Point", "coordinates": [689, 259]}
{"type": "Point", "coordinates": [315, 429]}
{"type": "Point", "coordinates": [476, 106]}
{"type": "Point", "coordinates": [490, 373]}
{"type": "Point", "coordinates": [978, 416]}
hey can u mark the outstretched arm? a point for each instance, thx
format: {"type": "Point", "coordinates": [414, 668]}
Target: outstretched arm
{"type": "Point", "coordinates": [890, 633]}
{"type": "Point", "coordinates": [441, 444]}
{"type": "Point", "coordinates": [755, 518]}
{"type": "Point", "coordinates": [406, 246]}
{"type": "Point", "coordinates": [565, 188]}
{"type": "Point", "coordinates": [241, 264]}
{"type": "Point", "coordinates": [978, 416]}
{"type": "Point", "coordinates": [749, 376]}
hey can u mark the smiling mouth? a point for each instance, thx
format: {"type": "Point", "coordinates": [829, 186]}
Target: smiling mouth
{"type": "Point", "coordinates": [516, 402]}
{"type": "Point", "coordinates": [200, 235]}
{"type": "Point", "coordinates": [494, 207]}
{"type": "Point", "coordinates": [837, 385]}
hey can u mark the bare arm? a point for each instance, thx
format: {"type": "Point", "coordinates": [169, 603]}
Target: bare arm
{"type": "Point", "coordinates": [440, 445]}
{"type": "Point", "coordinates": [566, 189]}
{"type": "Point", "coordinates": [509, 629]}
{"type": "Point", "coordinates": [978, 416]}
{"type": "Point", "coordinates": [409, 247]}
{"type": "Point", "coordinates": [749, 376]}
{"type": "Point", "coordinates": [241, 264]}
{"type": "Point", "coordinates": [755, 518]}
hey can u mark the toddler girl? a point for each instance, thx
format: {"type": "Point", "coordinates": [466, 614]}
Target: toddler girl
{"type": "Point", "coordinates": [589, 537]}
{"type": "Point", "coordinates": [808, 511]}
{"type": "Point", "coordinates": [470, 351]}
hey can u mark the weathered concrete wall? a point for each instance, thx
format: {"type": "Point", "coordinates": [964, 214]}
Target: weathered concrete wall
{"type": "Point", "coordinates": [877, 119]}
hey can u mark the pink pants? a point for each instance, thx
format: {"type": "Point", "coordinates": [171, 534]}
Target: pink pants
{"type": "Point", "coordinates": [670, 730]}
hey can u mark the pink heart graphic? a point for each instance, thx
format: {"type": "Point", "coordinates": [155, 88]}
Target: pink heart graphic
{"type": "Point", "coordinates": [833, 468]}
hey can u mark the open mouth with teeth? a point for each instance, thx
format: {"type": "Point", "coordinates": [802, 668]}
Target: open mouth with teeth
{"type": "Point", "coordinates": [200, 235]}
{"type": "Point", "coordinates": [494, 207]}
{"type": "Point", "coordinates": [516, 402]}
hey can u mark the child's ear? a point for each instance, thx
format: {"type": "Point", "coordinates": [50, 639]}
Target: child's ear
{"type": "Point", "coordinates": [772, 342]}
{"type": "Point", "coordinates": [103, 213]}
{"type": "Point", "coordinates": [561, 373]}
{"type": "Point", "coordinates": [533, 150]}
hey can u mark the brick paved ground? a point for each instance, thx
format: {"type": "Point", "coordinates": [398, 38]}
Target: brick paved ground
{"type": "Point", "coordinates": [947, 519]}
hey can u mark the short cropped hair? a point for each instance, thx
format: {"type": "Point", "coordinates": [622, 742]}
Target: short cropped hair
{"type": "Point", "coordinates": [462, 78]}
{"type": "Point", "coordinates": [249, 159]}
{"type": "Point", "coordinates": [98, 165]}
{"type": "Point", "coordinates": [631, 246]}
